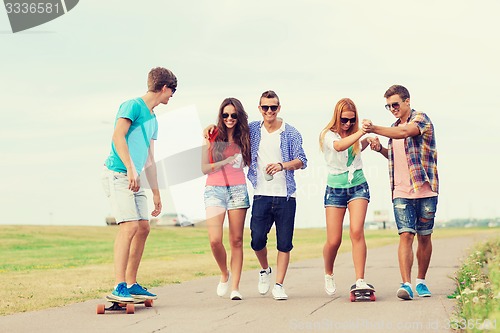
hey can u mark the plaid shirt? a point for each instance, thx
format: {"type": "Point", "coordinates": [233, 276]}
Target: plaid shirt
{"type": "Point", "coordinates": [421, 153]}
{"type": "Point", "coordinates": [291, 148]}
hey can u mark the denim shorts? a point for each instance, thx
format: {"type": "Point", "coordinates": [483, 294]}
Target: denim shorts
{"type": "Point", "coordinates": [340, 197]}
{"type": "Point", "coordinates": [126, 205]}
{"type": "Point", "coordinates": [232, 197]}
{"type": "Point", "coordinates": [267, 210]}
{"type": "Point", "coordinates": [409, 212]}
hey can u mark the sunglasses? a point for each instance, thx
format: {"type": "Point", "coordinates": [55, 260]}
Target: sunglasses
{"type": "Point", "coordinates": [173, 90]}
{"type": "Point", "coordinates": [266, 108]}
{"type": "Point", "coordinates": [233, 115]}
{"type": "Point", "coordinates": [395, 106]}
{"type": "Point", "coordinates": [345, 120]}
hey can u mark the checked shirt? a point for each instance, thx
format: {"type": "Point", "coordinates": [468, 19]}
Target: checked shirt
{"type": "Point", "coordinates": [421, 153]}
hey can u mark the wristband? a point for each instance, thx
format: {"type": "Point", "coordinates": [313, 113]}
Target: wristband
{"type": "Point", "coordinates": [281, 165]}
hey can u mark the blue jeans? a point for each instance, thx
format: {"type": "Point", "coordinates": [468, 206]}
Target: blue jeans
{"type": "Point", "coordinates": [234, 197]}
{"type": "Point", "coordinates": [340, 197]}
{"type": "Point", "coordinates": [410, 212]}
{"type": "Point", "coordinates": [267, 210]}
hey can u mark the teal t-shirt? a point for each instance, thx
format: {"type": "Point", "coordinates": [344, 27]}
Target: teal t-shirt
{"type": "Point", "coordinates": [143, 129]}
{"type": "Point", "coordinates": [341, 180]}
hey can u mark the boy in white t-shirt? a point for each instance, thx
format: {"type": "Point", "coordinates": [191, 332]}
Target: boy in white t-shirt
{"type": "Point", "coordinates": [276, 149]}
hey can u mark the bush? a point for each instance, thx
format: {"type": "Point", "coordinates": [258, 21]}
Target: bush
{"type": "Point", "coordinates": [478, 290]}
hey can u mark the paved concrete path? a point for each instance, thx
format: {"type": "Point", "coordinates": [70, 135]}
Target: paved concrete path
{"type": "Point", "coordinates": [194, 306]}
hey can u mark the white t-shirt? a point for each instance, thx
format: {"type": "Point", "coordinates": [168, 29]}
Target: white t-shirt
{"type": "Point", "coordinates": [336, 161]}
{"type": "Point", "coordinates": [270, 152]}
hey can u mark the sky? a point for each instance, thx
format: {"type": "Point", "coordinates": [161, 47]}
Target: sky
{"type": "Point", "coordinates": [61, 84]}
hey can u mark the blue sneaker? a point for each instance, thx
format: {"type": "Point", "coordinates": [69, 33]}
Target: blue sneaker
{"type": "Point", "coordinates": [138, 291]}
{"type": "Point", "coordinates": [121, 293]}
{"type": "Point", "coordinates": [405, 292]}
{"type": "Point", "coordinates": [422, 290]}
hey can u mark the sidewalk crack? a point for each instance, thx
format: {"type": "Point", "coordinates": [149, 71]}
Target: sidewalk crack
{"type": "Point", "coordinates": [322, 306]}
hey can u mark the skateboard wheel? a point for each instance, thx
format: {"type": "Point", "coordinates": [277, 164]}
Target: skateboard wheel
{"type": "Point", "coordinates": [101, 308]}
{"type": "Point", "coordinates": [148, 303]}
{"type": "Point", "coordinates": [372, 297]}
{"type": "Point", "coordinates": [130, 309]}
{"type": "Point", "coordinates": [352, 297]}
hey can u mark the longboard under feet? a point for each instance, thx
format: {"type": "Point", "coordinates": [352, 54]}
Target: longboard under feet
{"type": "Point", "coordinates": [128, 307]}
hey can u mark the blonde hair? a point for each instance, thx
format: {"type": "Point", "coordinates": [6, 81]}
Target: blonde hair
{"type": "Point", "coordinates": [345, 104]}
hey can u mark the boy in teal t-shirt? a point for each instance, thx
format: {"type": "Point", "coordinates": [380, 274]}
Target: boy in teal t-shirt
{"type": "Point", "coordinates": [143, 129]}
{"type": "Point", "coordinates": [132, 149]}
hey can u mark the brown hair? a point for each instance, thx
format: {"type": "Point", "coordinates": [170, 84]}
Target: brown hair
{"type": "Point", "coordinates": [269, 94]}
{"type": "Point", "coordinates": [397, 90]}
{"type": "Point", "coordinates": [159, 77]}
{"type": "Point", "coordinates": [241, 134]}
{"type": "Point", "coordinates": [345, 104]}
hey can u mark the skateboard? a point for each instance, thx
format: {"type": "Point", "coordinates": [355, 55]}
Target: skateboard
{"type": "Point", "coordinates": [128, 307]}
{"type": "Point", "coordinates": [362, 294]}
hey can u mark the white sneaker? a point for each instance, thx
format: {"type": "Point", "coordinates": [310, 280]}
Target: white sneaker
{"type": "Point", "coordinates": [222, 287]}
{"type": "Point", "coordinates": [330, 287]}
{"type": "Point", "coordinates": [279, 293]}
{"type": "Point", "coordinates": [361, 284]}
{"type": "Point", "coordinates": [236, 296]}
{"type": "Point", "coordinates": [264, 281]}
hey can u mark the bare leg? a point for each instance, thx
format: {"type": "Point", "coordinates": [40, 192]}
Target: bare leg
{"type": "Point", "coordinates": [262, 258]}
{"type": "Point", "coordinates": [136, 251]}
{"type": "Point", "coordinates": [282, 266]}
{"type": "Point", "coordinates": [405, 255]}
{"type": "Point", "coordinates": [424, 252]}
{"type": "Point", "coordinates": [236, 227]}
{"type": "Point", "coordinates": [215, 221]}
{"type": "Point", "coordinates": [123, 240]}
{"type": "Point", "coordinates": [334, 220]}
{"type": "Point", "coordinates": [357, 214]}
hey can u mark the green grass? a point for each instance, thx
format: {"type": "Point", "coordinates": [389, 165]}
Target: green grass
{"type": "Point", "coordinates": [75, 264]}
{"type": "Point", "coordinates": [478, 290]}
{"type": "Point", "coordinates": [26, 248]}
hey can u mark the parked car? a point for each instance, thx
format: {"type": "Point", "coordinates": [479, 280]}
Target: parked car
{"type": "Point", "coordinates": [173, 219]}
